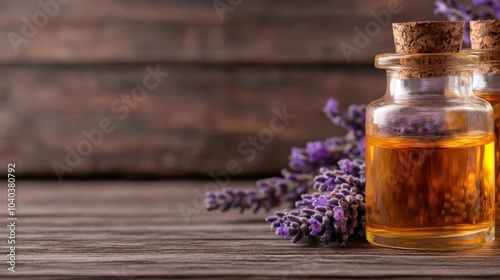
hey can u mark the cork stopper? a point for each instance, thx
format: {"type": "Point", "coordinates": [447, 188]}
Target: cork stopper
{"type": "Point", "coordinates": [485, 38]}
{"type": "Point", "coordinates": [427, 37]}
{"type": "Point", "coordinates": [485, 34]}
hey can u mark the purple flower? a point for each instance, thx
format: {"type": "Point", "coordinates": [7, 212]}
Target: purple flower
{"type": "Point", "coordinates": [362, 145]}
{"type": "Point", "coordinates": [317, 151]}
{"type": "Point", "coordinates": [334, 142]}
{"type": "Point", "coordinates": [480, 3]}
{"type": "Point", "coordinates": [442, 8]}
{"type": "Point", "coordinates": [338, 213]}
{"type": "Point", "coordinates": [297, 159]}
{"type": "Point", "coordinates": [317, 166]}
{"type": "Point", "coordinates": [330, 184]}
{"type": "Point", "coordinates": [356, 113]}
{"type": "Point", "coordinates": [345, 165]}
{"type": "Point", "coordinates": [320, 201]}
{"type": "Point", "coordinates": [467, 34]}
{"type": "Point", "coordinates": [343, 217]}
{"type": "Point", "coordinates": [466, 12]}
{"type": "Point", "coordinates": [315, 226]}
{"type": "Point", "coordinates": [332, 106]}
{"type": "Point", "coordinates": [296, 153]}
{"type": "Point", "coordinates": [496, 5]}
{"type": "Point", "coordinates": [282, 230]}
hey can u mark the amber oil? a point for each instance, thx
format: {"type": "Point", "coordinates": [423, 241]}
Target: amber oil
{"type": "Point", "coordinates": [494, 100]}
{"type": "Point", "coordinates": [425, 191]}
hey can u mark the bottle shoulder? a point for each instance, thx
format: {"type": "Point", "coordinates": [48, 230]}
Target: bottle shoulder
{"type": "Point", "coordinates": [471, 103]}
{"type": "Point", "coordinates": [435, 117]}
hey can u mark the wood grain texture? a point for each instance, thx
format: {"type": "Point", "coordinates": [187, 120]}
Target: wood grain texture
{"type": "Point", "coordinates": [193, 123]}
{"type": "Point", "coordinates": [226, 78]}
{"type": "Point", "coordinates": [123, 230]}
{"type": "Point", "coordinates": [96, 31]}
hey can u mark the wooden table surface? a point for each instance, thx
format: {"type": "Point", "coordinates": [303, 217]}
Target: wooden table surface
{"type": "Point", "coordinates": [135, 230]}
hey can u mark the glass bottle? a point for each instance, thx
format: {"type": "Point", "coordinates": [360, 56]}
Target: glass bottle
{"type": "Point", "coordinates": [487, 86]}
{"type": "Point", "coordinates": [430, 155]}
{"type": "Point", "coordinates": [486, 81]}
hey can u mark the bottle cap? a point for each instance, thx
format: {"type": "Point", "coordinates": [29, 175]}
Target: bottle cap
{"type": "Point", "coordinates": [428, 36]}
{"type": "Point", "coordinates": [485, 34]}
{"type": "Point", "coordinates": [428, 48]}
{"type": "Point", "coordinates": [485, 41]}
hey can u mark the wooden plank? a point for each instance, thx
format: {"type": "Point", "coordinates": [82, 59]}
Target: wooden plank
{"type": "Point", "coordinates": [192, 123]}
{"type": "Point", "coordinates": [96, 31]}
{"type": "Point", "coordinates": [106, 234]}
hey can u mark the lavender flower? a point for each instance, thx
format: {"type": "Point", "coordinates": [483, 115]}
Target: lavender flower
{"type": "Point", "coordinates": [332, 107]}
{"type": "Point", "coordinates": [282, 230]}
{"type": "Point", "coordinates": [298, 159]}
{"type": "Point", "coordinates": [318, 154]}
{"type": "Point", "coordinates": [315, 226]}
{"type": "Point", "coordinates": [328, 180]}
{"type": "Point", "coordinates": [305, 163]}
{"type": "Point", "coordinates": [340, 218]}
{"type": "Point", "coordinates": [333, 167]}
{"type": "Point", "coordinates": [327, 153]}
{"type": "Point", "coordinates": [362, 146]}
{"type": "Point", "coordinates": [334, 214]}
{"type": "Point", "coordinates": [317, 151]}
{"type": "Point", "coordinates": [273, 192]}
{"type": "Point", "coordinates": [320, 201]}
{"type": "Point", "coordinates": [430, 123]}
{"type": "Point", "coordinates": [345, 165]}
{"type": "Point", "coordinates": [353, 121]}
{"type": "Point", "coordinates": [338, 213]}
{"type": "Point", "coordinates": [227, 199]}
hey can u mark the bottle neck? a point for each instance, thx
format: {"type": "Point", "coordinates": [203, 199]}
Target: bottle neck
{"type": "Point", "coordinates": [486, 83]}
{"type": "Point", "coordinates": [442, 87]}
{"type": "Point", "coordinates": [487, 74]}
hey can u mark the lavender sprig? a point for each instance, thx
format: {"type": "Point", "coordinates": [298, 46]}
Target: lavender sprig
{"type": "Point", "coordinates": [273, 192]}
{"type": "Point", "coordinates": [327, 153]}
{"type": "Point", "coordinates": [353, 120]}
{"type": "Point", "coordinates": [305, 163]}
{"type": "Point", "coordinates": [331, 216]}
{"type": "Point", "coordinates": [350, 173]}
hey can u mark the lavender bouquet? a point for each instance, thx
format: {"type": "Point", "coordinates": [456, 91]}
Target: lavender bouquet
{"type": "Point", "coordinates": [333, 170]}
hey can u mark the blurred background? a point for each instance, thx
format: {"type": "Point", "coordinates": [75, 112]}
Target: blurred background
{"type": "Point", "coordinates": [85, 94]}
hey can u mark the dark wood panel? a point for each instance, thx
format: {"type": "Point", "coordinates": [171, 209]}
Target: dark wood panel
{"type": "Point", "coordinates": [135, 231]}
{"type": "Point", "coordinates": [96, 31]}
{"type": "Point", "coordinates": [192, 123]}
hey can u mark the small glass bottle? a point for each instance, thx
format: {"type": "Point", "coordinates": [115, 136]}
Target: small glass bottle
{"type": "Point", "coordinates": [430, 180]}
{"type": "Point", "coordinates": [486, 81]}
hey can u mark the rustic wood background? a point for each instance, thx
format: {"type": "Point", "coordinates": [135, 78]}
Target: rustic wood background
{"type": "Point", "coordinates": [226, 76]}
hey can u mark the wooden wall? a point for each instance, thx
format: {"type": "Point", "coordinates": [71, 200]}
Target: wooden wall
{"type": "Point", "coordinates": [225, 77]}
